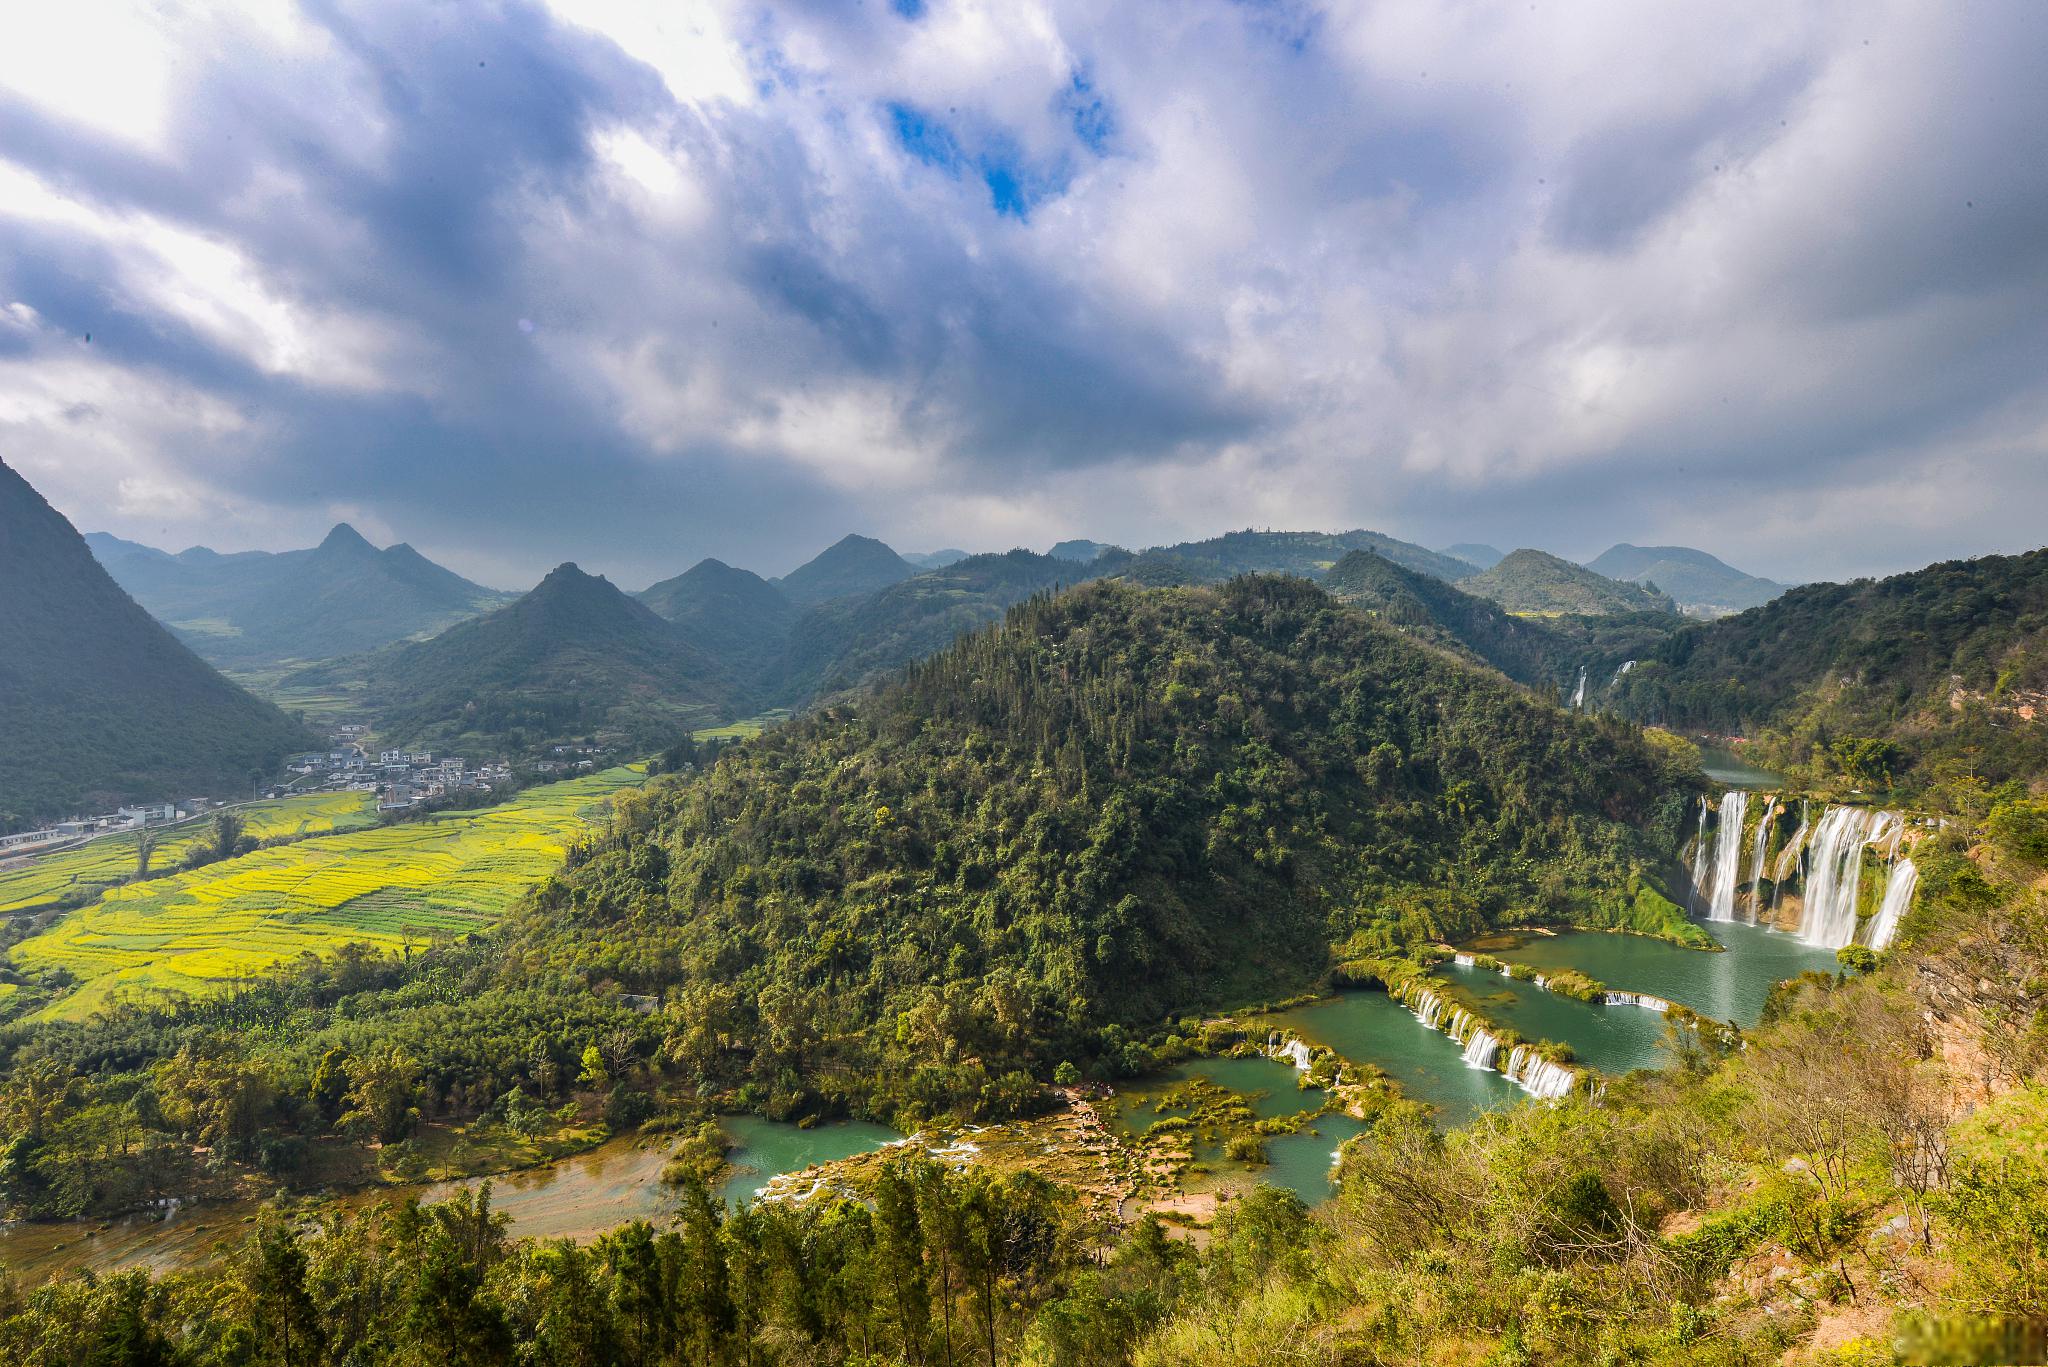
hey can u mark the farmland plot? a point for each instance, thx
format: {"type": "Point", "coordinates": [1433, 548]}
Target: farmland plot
{"type": "Point", "coordinates": [389, 887]}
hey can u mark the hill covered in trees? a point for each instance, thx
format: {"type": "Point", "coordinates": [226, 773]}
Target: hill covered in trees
{"type": "Point", "coordinates": [1942, 672]}
{"type": "Point", "coordinates": [99, 704]}
{"type": "Point", "coordinates": [574, 657]}
{"type": "Point", "coordinates": [1544, 653]}
{"type": "Point", "coordinates": [1537, 582]}
{"type": "Point", "coordinates": [733, 616]}
{"type": "Point", "coordinates": [1120, 802]}
{"type": "Point", "coordinates": [851, 565]}
{"type": "Point", "coordinates": [254, 609]}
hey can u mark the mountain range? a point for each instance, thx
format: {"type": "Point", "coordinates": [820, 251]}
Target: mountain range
{"type": "Point", "coordinates": [1701, 584]}
{"type": "Point", "coordinates": [257, 609]}
{"type": "Point", "coordinates": [99, 704]}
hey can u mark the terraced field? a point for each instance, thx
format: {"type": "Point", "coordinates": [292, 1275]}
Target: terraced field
{"type": "Point", "coordinates": [112, 859]}
{"type": "Point", "coordinates": [387, 887]}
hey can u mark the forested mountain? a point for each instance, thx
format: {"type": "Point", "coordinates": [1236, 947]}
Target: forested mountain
{"type": "Point", "coordinates": [574, 657]}
{"type": "Point", "coordinates": [852, 565]}
{"type": "Point", "coordinates": [1700, 584]}
{"type": "Point", "coordinates": [1546, 653]}
{"type": "Point", "coordinates": [732, 616]}
{"type": "Point", "coordinates": [100, 704]}
{"type": "Point", "coordinates": [1307, 554]}
{"type": "Point", "coordinates": [856, 641]}
{"type": "Point", "coordinates": [1120, 802]}
{"type": "Point", "coordinates": [1947, 665]}
{"type": "Point", "coordinates": [1537, 582]}
{"type": "Point", "coordinates": [254, 608]}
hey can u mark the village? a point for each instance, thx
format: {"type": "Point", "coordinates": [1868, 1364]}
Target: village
{"type": "Point", "coordinates": [403, 780]}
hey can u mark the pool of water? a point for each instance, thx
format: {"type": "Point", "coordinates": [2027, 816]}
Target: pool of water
{"type": "Point", "coordinates": [1371, 1027]}
{"type": "Point", "coordinates": [1304, 1162]}
{"type": "Point", "coordinates": [761, 1149]}
{"type": "Point", "coordinates": [1613, 1039]}
{"type": "Point", "coordinates": [1269, 1087]}
{"type": "Point", "coordinates": [1730, 986]}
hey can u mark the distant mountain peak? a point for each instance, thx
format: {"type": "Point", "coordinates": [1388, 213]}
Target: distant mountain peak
{"type": "Point", "coordinates": [344, 538]}
{"type": "Point", "coordinates": [852, 564]}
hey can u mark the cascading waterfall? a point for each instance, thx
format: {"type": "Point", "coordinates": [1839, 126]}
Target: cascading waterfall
{"type": "Point", "coordinates": [1699, 855]}
{"type": "Point", "coordinates": [1791, 863]}
{"type": "Point", "coordinates": [1898, 895]}
{"type": "Point", "coordinates": [1620, 674]}
{"type": "Point", "coordinates": [1719, 893]}
{"type": "Point", "coordinates": [1642, 999]}
{"type": "Point", "coordinates": [1537, 1075]}
{"type": "Point", "coordinates": [1481, 1049]}
{"type": "Point", "coordinates": [1836, 871]}
{"type": "Point", "coordinates": [1579, 694]}
{"type": "Point", "coordinates": [1464, 960]}
{"type": "Point", "coordinates": [1756, 859]}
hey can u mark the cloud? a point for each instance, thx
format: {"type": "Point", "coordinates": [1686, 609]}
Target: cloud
{"type": "Point", "coordinates": [633, 284]}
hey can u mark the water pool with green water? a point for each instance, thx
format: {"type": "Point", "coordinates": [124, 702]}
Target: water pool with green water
{"type": "Point", "coordinates": [1729, 986]}
{"type": "Point", "coordinates": [1371, 1027]}
{"type": "Point", "coordinates": [1612, 1039]}
{"type": "Point", "coordinates": [762, 1149]}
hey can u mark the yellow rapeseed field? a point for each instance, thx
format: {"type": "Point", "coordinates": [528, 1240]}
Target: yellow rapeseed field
{"type": "Point", "coordinates": [113, 858]}
{"type": "Point", "coordinates": [388, 887]}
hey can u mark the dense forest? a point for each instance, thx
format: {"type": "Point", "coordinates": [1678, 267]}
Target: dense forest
{"type": "Point", "coordinates": [1943, 670]}
{"type": "Point", "coordinates": [1121, 803]}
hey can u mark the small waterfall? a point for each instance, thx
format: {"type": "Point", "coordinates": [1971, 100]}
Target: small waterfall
{"type": "Point", "coordinates": [1642, 999]}
{"type": "Point", "coordinates": [1620, 674]}
{"type": "Point", "coordinates": [1756, 859]}
{"type": "Point", "coordinates": [1579, 694]}
{"type": "Point", "coordinates": [1464, 961]}
{"type": "Point", "coordinates": [1898, 896]}
{"type": "Point", "coordinates": [1699, 856]}
{"type": "Point", "coordinates": [1293, 1050]}
{"type": "Point", "coordinates": [1791, 863]}
{"type": "Point", "coordinates": [1538, 1076]}
{"type": "Point", "coordinates": [1719, 893]}
{"type": "Point", "coordinates": [1481, 1049]}
{"type": "Point", "coordinates": [1836, 870]}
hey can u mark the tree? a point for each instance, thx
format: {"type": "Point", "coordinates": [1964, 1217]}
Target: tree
{"type": "Point", "coordinates": [383, 1094]}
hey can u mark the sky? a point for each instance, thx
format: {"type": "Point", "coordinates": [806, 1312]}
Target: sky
{"type": "Point", "coordinates": [633, 283]}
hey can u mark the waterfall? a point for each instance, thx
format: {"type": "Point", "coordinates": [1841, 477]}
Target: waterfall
{"type": "Point", "coordinates": [1481, 1049]}
{"type": "Point", "coordinates": [1579, 694]}
{"type": "Point", "coordinates": [1719, 893]}
{"type": "Point", "coordinates": [1294, 1051]}
{"type": "Point", "coordinates": [1642, 999]}
{"type": "Point", "coordinates": [1791, 859]}
{"type": "Point", "coordinates": [1699, 855]}
{"type": "Point", "coordinates": [1898, 896]}
{"type": "Point", "coordinates": [1626, 666]}
{"type": "Point", "coordinates": [1756, 860]}
{"type": "Point", "coordinates": [1464, 961]}
{"type": "Point", "coordinates": [1836, 870]}
{"type": "Point", "coordinates": [1538, 1076]}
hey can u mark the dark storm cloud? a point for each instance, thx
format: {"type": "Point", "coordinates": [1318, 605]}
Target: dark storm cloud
{"type": "Point", "coordinates": [522, 283]}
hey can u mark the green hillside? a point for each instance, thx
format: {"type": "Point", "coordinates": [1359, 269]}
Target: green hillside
{"type": "Point", "coordinates": [255, 609]}
{"type": "Point", "coordinates": [1546, 653]}
{"type": "Point", "coordinates": [856, 641]}
{"type": "Point", "coordinates": [1949, 665]}
{"type": "Point", "coordinates": [573, 658]}
{"type": "Point", "coordinates": [851, 565]}
{"type": "Point", "coordinates": [1308, 554]}
{"type": "Point", "coordinates": [99, 704]}
{"type": "Point", "coordinates": [733, 616]}
{"type": "Point", "coordinates": [1536, 582]}
{"type": "Point", "coordinates": [1120, 803]}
